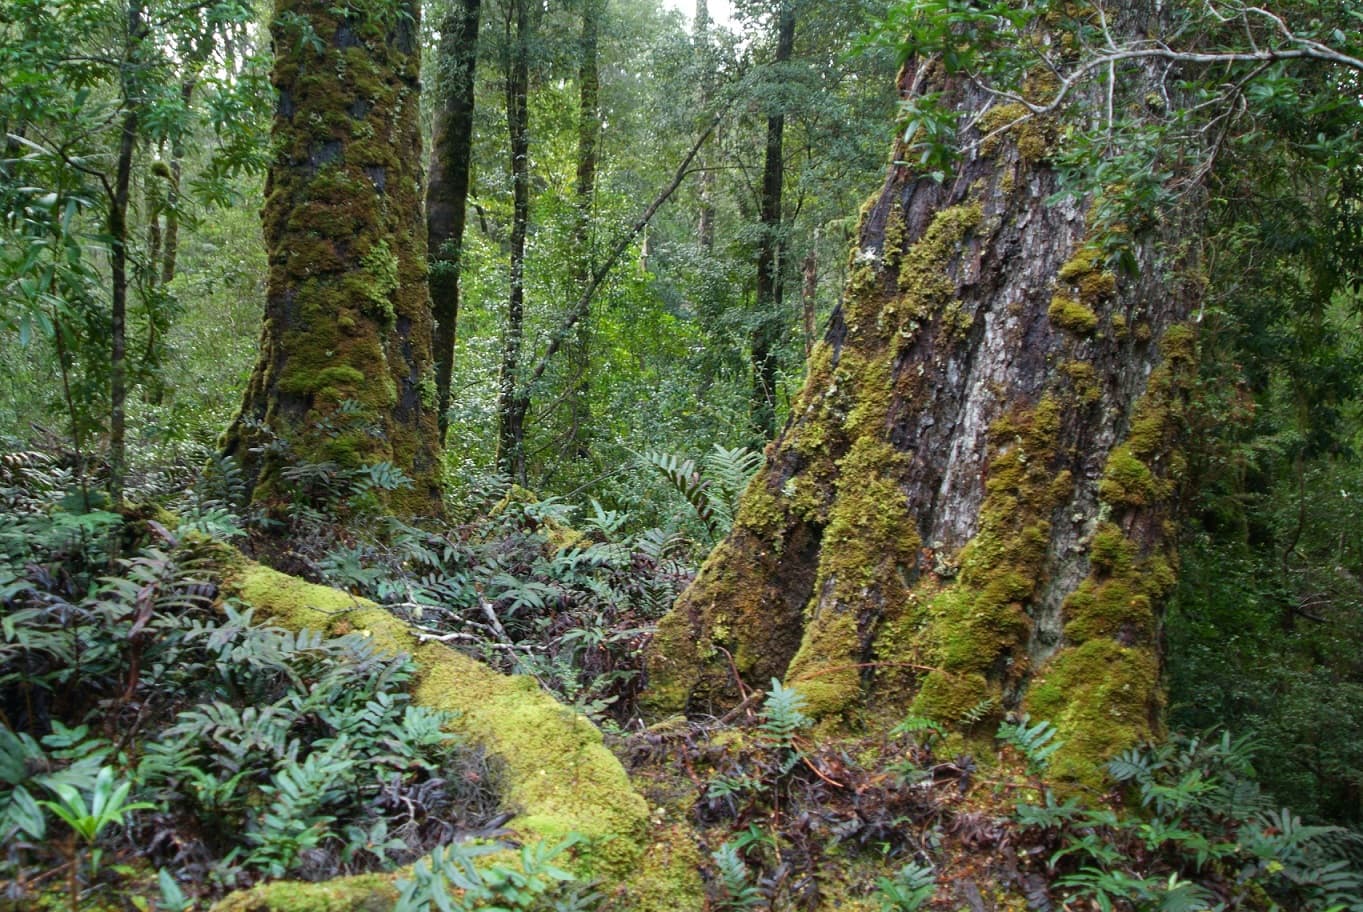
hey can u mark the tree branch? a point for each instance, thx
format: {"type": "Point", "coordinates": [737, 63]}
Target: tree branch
{"type": "Point", "coordinates": [598, 273]}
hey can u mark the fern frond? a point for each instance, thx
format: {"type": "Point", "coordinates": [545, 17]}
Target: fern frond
{"type": "Point", "coordinates": [686, 480]}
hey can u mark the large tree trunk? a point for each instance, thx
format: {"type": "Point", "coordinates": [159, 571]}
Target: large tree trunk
{"type": "Point", "coordinates": [770, 321]}
{"type": "Point", "coordinates": [448, 193]}
{"type": "Point", "coordinates": [344, 373]}
{"type": "Point", "coordinates": [969, 509]}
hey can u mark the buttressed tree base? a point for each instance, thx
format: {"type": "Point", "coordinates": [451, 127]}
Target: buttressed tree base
{"type": "Point", "coordinates": [968, 511]}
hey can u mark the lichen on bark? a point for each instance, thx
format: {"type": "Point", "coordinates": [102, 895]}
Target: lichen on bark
{"type": "Point", "coordinates": [345, 351]}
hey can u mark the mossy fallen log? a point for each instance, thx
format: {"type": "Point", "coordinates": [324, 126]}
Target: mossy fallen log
{"type": "Point", "coordinates": [559, 778]}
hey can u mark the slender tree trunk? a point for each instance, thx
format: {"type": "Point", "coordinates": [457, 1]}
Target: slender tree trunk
{"type": "Point", "coordinates": [171, 252]}
{"type": "Point", "coordinates": [588, 135]}
{"type": "Point", "coordinates": [118, 259]}
{"type": "Point", "coordinates": [155, 201]}
{"type": "Point", "coordinates": [970, 509]}
{"type": "Point", "coordinates": [809, 291]}
{"type": "Point", "coordinates": [513, 403]}
{"type": "Point", "coordinates": [705, 221]}
{"type": "Point", "coordinates": [448, 191]}
{"type": "Point", "coordinates": [344, 374]}
{"type": "Point", "coordinates": [770, 324]}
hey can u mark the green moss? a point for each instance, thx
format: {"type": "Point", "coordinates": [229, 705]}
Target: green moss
{"type": "Point", "coordinates": [668, 878]}
{"type": "Point", "coordinates": [380, 265]}
{"type": "Point", "coordinates": [1128, 481]}
{"type": "Point", "coordinates": [428, 392]}
{"type": "Point", "coordinates": [1068, 314]}
{"type": "Point", "coordinates": [1033, 134]}
{"type": "Point", "coordinates": [1087, 260]}
{"type": "Point", "coordinates": [1104, 698]}
{"type": "Point", "coordinates": [361, 893]}
{"type": "Point", "coordinates": [949, 697]}
{"type": "Point", "coordinates": [924, 282]}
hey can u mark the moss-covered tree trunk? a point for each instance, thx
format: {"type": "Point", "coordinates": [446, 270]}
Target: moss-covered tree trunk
{"type": "Point", "coordinates": [969, 509]}
{"type": "Point", "coordinates": [344, 374]}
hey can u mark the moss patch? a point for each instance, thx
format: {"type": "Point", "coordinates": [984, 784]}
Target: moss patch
{"type": "Point", "coordinates": [1068, 314]}
{"type": "Point", "coordinates": [1103, 698]}
{"type": "Point", "coordinates": [362, 893]}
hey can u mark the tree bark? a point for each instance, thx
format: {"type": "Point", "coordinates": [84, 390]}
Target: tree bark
{"type": "Point", "coordinates": [969, 511]}
{"type": "Point", "coordinates": [770, 322]}
{"type": "Point", "coordinates": [705, 220]}
{"type": "Point", "coordinates": [588, 135]}
{"type": "Point", "coordinates": [118, 255]}
{"type": "Point", "coordinates": [344, 373]}
{"type": "Point", "coordinates": [512, 404]}
{"type": "Point", "coordinates": [448, 191]}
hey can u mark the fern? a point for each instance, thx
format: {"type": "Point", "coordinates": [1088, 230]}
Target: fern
{"type": "Point", "coordinates": [781, 714]}
{"type": "Point", "coordinates": [452, 880]}
{"type": "Point", "coordinates": [686, 480]}
{"type": "Point", "coordinates": [923, 730]}
{"type": "Point", "coordinates": [729, 472]}
{"type": "Point", "coordinates": [977, 713]}
{"type": "Point", "coordinates": [911, 887]}
{"type": "Point", "coordinates": [740, 893]}
{"type": "Point", "coordinates": [1036, 743]}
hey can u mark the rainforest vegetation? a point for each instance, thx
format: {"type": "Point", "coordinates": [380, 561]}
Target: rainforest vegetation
{"type": "Point", "coordinates": [600, 455]}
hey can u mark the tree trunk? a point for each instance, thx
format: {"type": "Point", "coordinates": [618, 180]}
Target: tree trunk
{"type": "Point", "coordinates": [448, 192]}
{"type": "Point", "coordinates": [118, 258]}
{"type": "Point", "coordinates": [705, 222]}
{"type": "Point", "coordinates": [588, 134]}
{"type": "Point", "coordinates": [513, 403]}
{"type": "Point", "coordinates": [969, 511]}
{"type": "Point", "coordinates": [344, 373]}
{"type": "Point", "coordinates": [809, 293]}
{"type": "Point", "coordinates": [770, 322]}
{"type": "Point", "coordinates": [177, 156]}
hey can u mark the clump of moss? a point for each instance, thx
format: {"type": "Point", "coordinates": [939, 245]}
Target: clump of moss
{"type": "Point", "coordinates": [381, 267]}
{"type": "Point", "coordinates": [924, 282]}
{"type": "Point", "coordinates": [1033, 134]}
{"type": "Point", "coordinates": [1102, 697]}
{"type": "Point", "coordinates": [1069, 314]}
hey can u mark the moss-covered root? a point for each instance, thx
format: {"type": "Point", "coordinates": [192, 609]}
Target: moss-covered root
{"type": "Point", "coordinates": [559, 777]}
{"type": "Point", "coordinates": [363, 893]}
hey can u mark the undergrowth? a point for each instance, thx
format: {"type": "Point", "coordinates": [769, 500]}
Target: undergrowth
{"type": "Point", "coordinates": [148, 723]}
